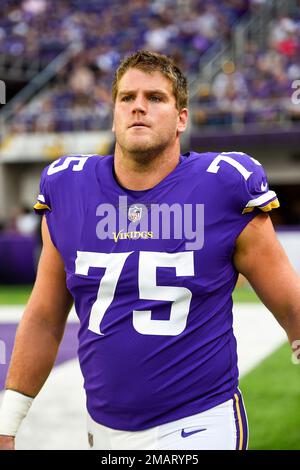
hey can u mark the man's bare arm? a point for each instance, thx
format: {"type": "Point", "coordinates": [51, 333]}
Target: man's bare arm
{"type": "Point", "coordinates": [42, 326]}
{"type": "Point", "coordinates": [261, 259]}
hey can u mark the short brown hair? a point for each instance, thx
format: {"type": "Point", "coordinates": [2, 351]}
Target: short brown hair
{"type": "Point", "coordinates": [153, 62]}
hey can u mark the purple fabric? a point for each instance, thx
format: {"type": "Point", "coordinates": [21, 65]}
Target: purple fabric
{"type": "Point", "coordinates": [139, 378]}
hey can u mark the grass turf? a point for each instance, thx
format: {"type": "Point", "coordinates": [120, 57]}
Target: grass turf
{"type": "Point", "coordinates": [244, 294]}
{"type": "Point", "coordinates": [14, 294]}
{"type": "Point", "coordinates": [272, 399]}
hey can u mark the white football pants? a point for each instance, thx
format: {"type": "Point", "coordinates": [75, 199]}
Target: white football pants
{"type": "Point", "coordinates": [222, 427]}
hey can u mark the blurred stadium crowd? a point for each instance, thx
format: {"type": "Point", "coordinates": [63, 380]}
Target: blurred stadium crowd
{"type": "Point", "coordinates": [258, 88]}
{"type": "Point", "coordinates": [108, 30]}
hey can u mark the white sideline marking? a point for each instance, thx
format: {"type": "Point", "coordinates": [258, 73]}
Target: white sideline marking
{"type": "Point", "coordinates": [257, 333]}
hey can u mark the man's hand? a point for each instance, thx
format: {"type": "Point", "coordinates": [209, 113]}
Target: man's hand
{"type": "Point", "coordinates": [7, 443]}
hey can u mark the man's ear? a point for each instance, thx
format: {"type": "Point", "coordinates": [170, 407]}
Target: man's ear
{"type": "Point", "coordinates": [182, 120]}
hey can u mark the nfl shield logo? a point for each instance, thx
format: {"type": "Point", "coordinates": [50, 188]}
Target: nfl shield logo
{"type": "Point", "coordinates": [134, 213]}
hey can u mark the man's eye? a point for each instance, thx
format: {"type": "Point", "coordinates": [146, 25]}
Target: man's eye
{"type": "Point", "coordinates": [155, 98]}
{"type": "Point", "coordinates": [126, 98]}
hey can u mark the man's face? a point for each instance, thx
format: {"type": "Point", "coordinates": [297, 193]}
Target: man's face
{"type": "Point", "coordinates": [146, 120]}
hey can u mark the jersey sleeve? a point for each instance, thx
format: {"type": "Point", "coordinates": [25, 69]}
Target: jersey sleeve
{"type": "Point", "coordinates": [55, 178]}
{"type": "Point", "coordinates": [60, 179]}
{"type": "Point", "coordinates": [247, 179]}
{"type": "Point", "coordinates": [256, 191]}
{"type": "Point", "coordinates": [43, 203]}
{"type": "Point", "coordinates": [240, 192]}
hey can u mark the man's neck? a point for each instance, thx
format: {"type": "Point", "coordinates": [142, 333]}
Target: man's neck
{"type": "Point", "coordinates": [139, 175]}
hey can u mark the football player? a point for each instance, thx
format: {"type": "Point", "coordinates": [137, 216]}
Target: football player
{"type": "Point", "coordinates": [148, 243]}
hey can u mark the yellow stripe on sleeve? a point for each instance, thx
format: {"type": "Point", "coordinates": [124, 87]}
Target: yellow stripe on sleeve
{"type": "Point", "coordinates": [272, 205]}
{"type": "Point", "coordinates": [268, 207]}
{"type": "Point", "coordinates": [248, 209]}
{"type": "Point", "coordinates": [39, 206]}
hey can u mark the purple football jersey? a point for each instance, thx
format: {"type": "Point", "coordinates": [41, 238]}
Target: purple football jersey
{"type": "Point", "coordinates": [151, 274]}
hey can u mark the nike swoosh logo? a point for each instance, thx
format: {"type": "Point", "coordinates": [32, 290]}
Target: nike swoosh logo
{"type": "Point", "coordinates": [187, 434]}
{"type": "Point", "coordinates": [264, 186]}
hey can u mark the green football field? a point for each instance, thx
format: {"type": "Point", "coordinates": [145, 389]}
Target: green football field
{"type": "Point", "coordinates": [271, 391]}
{"type": "Point", "coordinates": [272, 398]}
{"type": "Point", "coordinates": [14, 295]}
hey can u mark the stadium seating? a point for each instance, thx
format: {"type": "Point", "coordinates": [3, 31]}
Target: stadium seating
{"type": "Point", "coordinates": [79, 97]}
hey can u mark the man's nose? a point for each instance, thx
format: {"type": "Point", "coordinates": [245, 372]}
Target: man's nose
{"type": "Point", "coordinates": [140, 105]}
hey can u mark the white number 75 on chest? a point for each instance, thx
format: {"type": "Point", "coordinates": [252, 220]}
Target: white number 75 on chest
{"type": "Point", "coordinates": [183, 262]}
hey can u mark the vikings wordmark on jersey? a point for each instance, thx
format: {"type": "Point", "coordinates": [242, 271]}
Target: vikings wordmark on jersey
{"type": "Point", "coordinates": [155, 220]}
{"type": "Point", "coordinates": [152, 287]}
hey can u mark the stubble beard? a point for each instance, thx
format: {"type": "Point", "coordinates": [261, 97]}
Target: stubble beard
{"type": "Point", "coordinates": [144, 152]}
